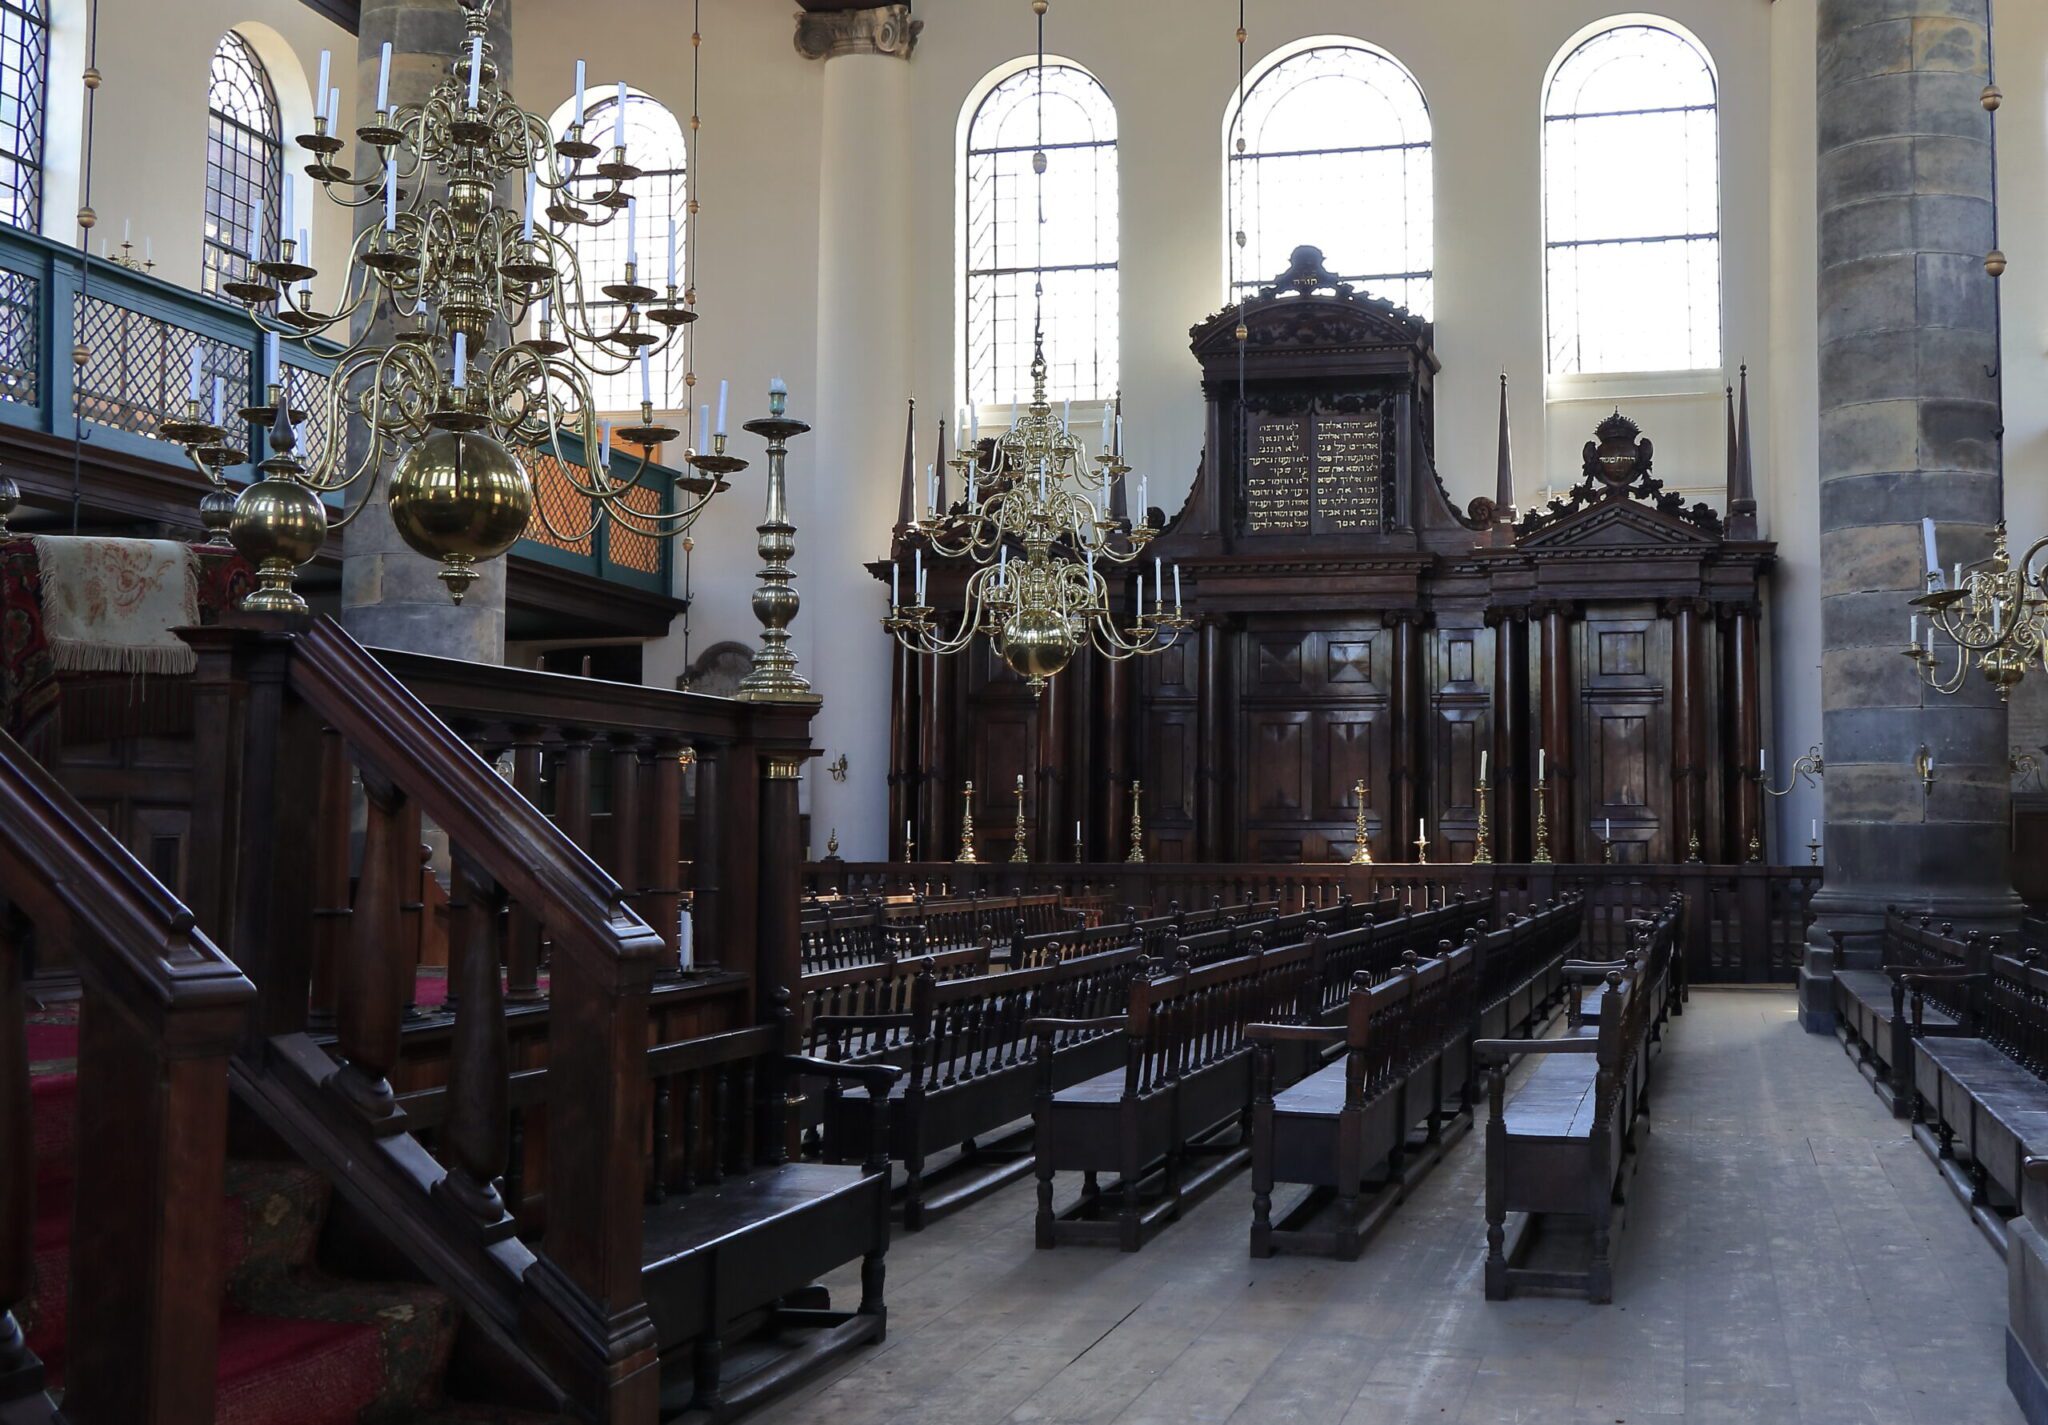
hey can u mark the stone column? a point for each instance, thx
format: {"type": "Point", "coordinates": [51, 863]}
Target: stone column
{"type": "Point", "coordinates": [864, 365]}
{"type": "Point", "coordinates": [389, 595]}
{"type": "Point", "coordinates": [1908, 427]}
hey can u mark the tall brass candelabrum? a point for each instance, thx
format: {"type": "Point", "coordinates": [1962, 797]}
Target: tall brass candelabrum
{"type": "Point", "coordinates": [1541, 857]}
{"type": "Point", "coordinates": [1482, 834]}
{"type": "Point", "coordinates": [1137, 856]}
{"type": "Point", "coordinates": [1361, 838]}
{"type": "Point", "coordinates": [967, 856]}
{"type": "Point", "coordinates": [1017, 851]}
{"type": "Point", "coordinates": [774, 678]}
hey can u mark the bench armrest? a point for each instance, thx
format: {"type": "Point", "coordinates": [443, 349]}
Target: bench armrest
{"type": "Point", "coordinates": [1912, 978]}
{"type": "Point", "coordinates": [1907, 973]}
{"type": "Point", "coordinates": [873, 1076]}
{"type": "Point", "coordinates": [1499, 1051]}
{"type": "Point", "coordinates": [2033, 1169]}
{"type": "Point", "coordinates": [1044, 1027]}
{"type": "Point", "coordinates": [862, 1021]}
{"type": "Point", "coordinates": [1294, 1033]}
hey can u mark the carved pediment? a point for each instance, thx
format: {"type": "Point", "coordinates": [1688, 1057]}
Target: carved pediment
{"type": "Point", "coordinates": [1616, 476]}
{"type": "Point", "coordinates": [1307, 308]}
{"type": "Point", "coordinates": [1616, 522]}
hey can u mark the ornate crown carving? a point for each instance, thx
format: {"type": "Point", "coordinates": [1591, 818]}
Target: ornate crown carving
{"type": "Point", "coordinates": [1617, 467]}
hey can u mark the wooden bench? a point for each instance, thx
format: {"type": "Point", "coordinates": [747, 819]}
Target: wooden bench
{"type": "Point", "coordinates": [1870, 1012]}
{"type": "Point", "coordinates": [1559, 1150]}
{"type": "Point", "coordinates": [971, 1070]}
{"type": "Point", "coordinates": [1155, 935]}
{"type": "Point", "coordinates": [1184, 1093]}
{"type": "Point", "coordinates": [737, 1232]}
{"type": "Point", "coordinates": [1405, 1061]}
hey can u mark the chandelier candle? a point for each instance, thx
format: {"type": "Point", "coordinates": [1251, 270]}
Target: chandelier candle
{"type": "Point", "coordinates": [476, 68]}
{"type": "Point", "coordinates": [577, 121]}
{"type": "Point", "coordinates": [619, 119]}
{"type": "Point", "coordinates": [384, 79]}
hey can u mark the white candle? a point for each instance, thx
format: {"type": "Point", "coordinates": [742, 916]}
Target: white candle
{"type": "Point", "coordinates": [219, 401]}
{"type": "Point", "coordinates": [1927, 541]}
{"type": "Point", "coordinates": [704, 423]}
{"type": "Point", "coordinates": [1482, 765]}
{"type": "Point", "coordinates": [461, 377]}
{"type": "Point", "coordinates": [1763, 760]}
{"type": "Point", "coordinates": [256, 230]}
{"type": "Point", "coordinates": [975, 439]}
{"type": "Point", "coordinates": [1077, 833]}
{"type": "Point", "coordinates": [917, 573]}
{"type": "Point", "coordinates": [1119, 433]}
{"type": "Point", "coordinates": [391, 195]}
{"type": "Point", "coordinates": [895, 585]}
{"type": "Point", "coordinates": [671, 252]}
{"type": "Point", "coordinates": [384, 78]}
{"type": "Point", "coordinates": [526, 222]}
{"type": "Point", "coordinates": [1158, 582]}
{"type": "Point", "coordinates": [148, 250]}
{"type": "Point", "coordinates": [1421, 831]}
{"type": "Point", "coordinates": [269, 360]}
{"type": "Point", "coordinates": [1176, 588]}
{"type": "Point", "coordinates": [1959, 574]}
{"type": "Point", "coordinates": [1610, 828]}
{"type": "Point", "coordinates": [1141, 596]}
{"type": "Point", "coordinates": [777, 386]}
{"type": "Point", "coordinates": [334, 107]}
{"type": "Point", "coordinates": [1813, 833]}
{"type": "Point", "coordinates": [1003, 565]}
{"type": "Point", "coordinates": [931, 488]}
{"type": "Point", "coordinates": [906, 838]}
{"type": "Point", "coordinates": [1067, 414]}
{"type": "Point", "coordinates": [1913, 638]}
{"type": "Point", "coordinates": [476, 66]}
{"type": "Point", "coordinates": [604, 446]}
{"type": "Point", "coordinates": [1540, 755]}
{"type": "Point", "coordinates": [578, 120]}
{"type": "Point", "coordinates": [192, 386]}
{"type": "Point", "coordinates": [646, 380]}
{"type": "Point", "coordinates": [305, 248]}
{"type": "Point", "coordinates": [286, 207]}
{"type": "Point", "coordinates": [723, 387]}
{"type": "Point", "coordinates": [619, 117]}
{"type": "Point", "coordinates": [124, 232]}
{"type": "Point", "coordinates": [1144, 502]}
{"type": "Point", "coordinates": [633, 232]}
{"type": "Point", "coordinates": [320, 110]}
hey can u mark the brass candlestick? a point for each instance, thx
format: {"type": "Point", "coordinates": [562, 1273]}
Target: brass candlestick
{"type": "Point", "coordinates": [1483, 855]}
{"type": "Point", "coordinates": [1813, 852]}
{"type": "Point", "coordinates": [1137, 855]}
{"type": "Point", "coordinates": [1756, 847]}
{"type": "Point", "coordinates": [1421, 847]}
{"type": "Point", "coordinates": [1692, 845]}
{"type": "Point", "coordinates": [967, 856]}
{"type": "Point", "coordinates": [1542, 856]}
{"type": "Point", "coordinates": [1361, 846]}
{"type": "Point", "coordinates": [1607, 850]}
{"type": "Point", "coordinates": [774, 678]}
{"type": "Point", "coordinates": [1017, 852]}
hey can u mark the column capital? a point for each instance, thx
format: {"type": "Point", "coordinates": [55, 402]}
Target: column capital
{"type": "Point", "coordinates": [879, 29]}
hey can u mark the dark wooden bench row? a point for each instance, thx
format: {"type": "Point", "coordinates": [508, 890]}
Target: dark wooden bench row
{"type": "Point", "coordinates": [1155, 935]}
{"type": "Point", "coordinates": [1870, 1005]}
{"type": "Point", "coordinates": [1555, 1155]}
{"type": "Point", "coordinates": [1348, 1130]}
{"type": "Point", "coordinates": [1173, 1120]}
{"type": "Point", "coordinates": [834, 934]}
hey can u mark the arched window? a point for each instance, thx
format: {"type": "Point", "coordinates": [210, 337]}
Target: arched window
{"type": "Point", "coordinates": [24, 80]}
{"type": "Point", "coordinates": [244, 161]}
{"type": "Point", "coordinates": [1336, 154]}
{"type": "Point", "coordinates": [1069, 247]}
{"type": "Point", "coordinates": [654, 145]}
{"type": "Point", "coordinates": [1632, 205]}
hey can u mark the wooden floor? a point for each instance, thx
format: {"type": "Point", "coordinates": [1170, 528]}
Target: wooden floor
{"type": "Point", "coordinates": [1784, 1233]}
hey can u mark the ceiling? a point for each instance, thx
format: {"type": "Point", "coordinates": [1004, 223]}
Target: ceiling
{"type": "Point", "coordinates": [348, 13]}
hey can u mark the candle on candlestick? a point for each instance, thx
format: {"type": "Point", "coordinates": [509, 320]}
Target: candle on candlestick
{"type": "Point", "coordinates": [604, 447]}
{"type": "Point", "coordinates": [577, 121]}
{"type": "Point", "coordinates": [723, 387]}
{"type": "Point", "coordinates": [619, 117]}
{"type": "Point", "coordinates": [334, 106]}
{"type": "Point", "coordinates": [704, 423]}
{"type": "Point", "coordinates": [1913, 637]}
{"type": "Point", "coordinates": [671, 251]}
{"type": "Point", "coordinates": [384, 78]}
{"type": "Point", "coordinates": [1610, 829]}
{"type": "Point", "coordinates": [632, 232]}
{"type": "Point", "coordinates": [256, 230]}
{"type": "Point", "coordinates": [320, 89]}
{"type": "Point", "coordinates": [895, 585]}
{"type": "Point", "coordinates": [461, 377]}
{"type": "Point", "coordinates": [192, 387]}
{"type": "Point", "coordinates": [269, 360]}
{"type": "Point", "coordinates": [476, 66]}
{"type": "Point", "coordinates": [917, 574]}
{"type": "Point", "coordinates": [526, 221]}
{"type": "Point", "coordinates": [1927, 541]}
{"type": "Point", "coordinates": [305, 248]}
{"type": "Point", "coordinates": [1540, 756]}
{"type": "Point", "coordinates": [218, 399]}
{"type": "Point", "coordinates": [148, 251]}
{"type": "Point", "coordinates": [1482, 765]}
{"type": "Point", "coordinates": [391, 198]}
{"type": "Point", "coordinates": [646, 380]}
{"type": "Point", "coordinates": [1763, 761]}
{"type": "Point", "coordinates": [1176, 590]}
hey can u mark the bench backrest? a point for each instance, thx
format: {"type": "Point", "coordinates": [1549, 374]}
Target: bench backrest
{"type": "Point", "coordinates": [884, 986]}
{"type": "Point", "coordinates": [1916, 941]}
{"type": "Point", "coordinates": [1181, 1023]}
{"type": "Point", "coordinates": [1394, 1023]}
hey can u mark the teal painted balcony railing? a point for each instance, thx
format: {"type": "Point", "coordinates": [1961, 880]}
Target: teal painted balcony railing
{"type": "Point", "coordinates": [139, 333]}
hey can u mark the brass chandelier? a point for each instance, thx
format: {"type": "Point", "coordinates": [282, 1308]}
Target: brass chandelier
{"type": "Point", "coordinates": [1035, 494]}
{"type": "Point", "coordinates": [1993, 612]}
{"type": "Point", "coordinates": [451, 396]}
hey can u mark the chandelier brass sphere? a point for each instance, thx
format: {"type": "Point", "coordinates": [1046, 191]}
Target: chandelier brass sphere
{"type": "Point", "coordinates": [460, 496]}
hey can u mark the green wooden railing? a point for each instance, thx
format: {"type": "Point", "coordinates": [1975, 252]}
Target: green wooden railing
{"type": "Point", "coordinates": [139, 333]}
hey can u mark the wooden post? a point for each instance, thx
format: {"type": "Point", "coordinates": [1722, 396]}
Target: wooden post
{"type": "Point", "coordinates": [1508, 776]}
{"type": "Point", "coordinates": [479, 1118]}
{"type": "Point", "coordinates": [330, 877]}
{"type": "Point", "coordinates": [625, 816]}
{"type": "Point", "coordinates": [1045, 806]}
{"type": "Point", "coordinates": [662, 841]}
{"type": "Point", "coordinates": [21, 1375]}
{"type": "Point", "coordinates": [778, 967]}
{"type": "Point", "coordinates": [706, 871]}
{"type": "Point", "coordinates": [1746, 695]}
{"type": "Point", "coordinates": [373, 986]}
{"type": "Point", "coordinates": [572, 789]}
{"type": "Point", "coordinates": [1406, 800]}
{"type": "Point", "coordinates": [1106, 840]}
{"type": "Point", "coordinates": [1559, 732]}
{"type": "Point", "coordinates": [522, 940]}
{"type": "Point", "coordinates": [1213, 731]}
{"type": "Point", "coordinates": [1686, 828]}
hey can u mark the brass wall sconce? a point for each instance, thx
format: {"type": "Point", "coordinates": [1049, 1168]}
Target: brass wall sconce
{"type": "Point", "coordinates": [1923, 768]}
{"type": "Point", "coordinates": [837, 767]}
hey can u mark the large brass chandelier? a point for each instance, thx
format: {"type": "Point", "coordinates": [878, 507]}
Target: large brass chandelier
{"type": "Point", "coordinates": [1041, 523]}
{"type": "Point", "coordinates": [1994, 615]}
{"type": "Point", "coordinates": [446, 388]}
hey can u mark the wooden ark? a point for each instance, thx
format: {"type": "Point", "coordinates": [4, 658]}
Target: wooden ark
{"type": "Point", "coordinates": [1355, 626]}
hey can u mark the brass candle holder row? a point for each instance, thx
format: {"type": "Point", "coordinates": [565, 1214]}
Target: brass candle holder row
{"type": "Point", "coordinates": [968, 856]}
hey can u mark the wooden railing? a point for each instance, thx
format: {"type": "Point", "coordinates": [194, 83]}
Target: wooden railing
{"type": "Point", "coordinates": [161, 1010]}
{"type": "Point", "coordinates": [293, 718]}
{"type": "Point", "coordinates": [1744, 923]}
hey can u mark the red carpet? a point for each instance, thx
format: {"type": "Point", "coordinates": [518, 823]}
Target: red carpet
{"type": "Point", "coordinates": [297, 1347]}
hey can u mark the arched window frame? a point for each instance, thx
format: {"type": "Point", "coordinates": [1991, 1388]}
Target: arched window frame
{"type": "Point", "coordinates": [656, 145]}
{"type": "Point", "coordinates": [1376, 165]}
{"type": "Point", "coordinates": [1681, 239]}
{"type": "Point", "coordinates": [1000, 259]}
{"type": "Point", "coordinates": [24, 91]}
{"type": "Point", "coordinates": [244, 161]}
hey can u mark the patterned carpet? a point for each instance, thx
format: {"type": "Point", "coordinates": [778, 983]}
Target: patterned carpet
{"type": "Point", "coordinates": [297, 1346]}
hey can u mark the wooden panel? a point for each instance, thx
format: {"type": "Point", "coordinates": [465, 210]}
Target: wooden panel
{"type": "Point", "coordinates": [1348, 660]}
{"type": "Point", "coordinates": [1276, 662]}
{"type": "Point", "coordinates": [1276, 766]}
{"type": "Point", "coordinates": [1170, 769]}
{"type": "Point", "coordinates": [1625, 735]}
{"type": "Point", "coordinates": [1347, 759]}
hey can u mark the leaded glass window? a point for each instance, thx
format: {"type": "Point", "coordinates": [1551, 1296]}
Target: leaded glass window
{"type": "Point", "coordinates": [654, 145]}
{"type": "Point", "coordinates": [24, 81]}
{"type": "Point", "coordinates": [244, 162]}
{"type": "Point", "coordinates": [1045, 245]}
{"type": "Point", "coordinates": [1632, 205]}
{"type": "Point", "coordinates": [1336, 155]}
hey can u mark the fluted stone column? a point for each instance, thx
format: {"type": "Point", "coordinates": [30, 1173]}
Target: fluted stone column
{"type": "Point", "coordinates": [864, 359]}
{"type": "Point", "coordinates": [389, 595]}
{"type": "Point", "coordinates": [1908, 422]}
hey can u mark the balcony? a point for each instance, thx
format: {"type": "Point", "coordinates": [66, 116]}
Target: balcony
{"type": "Point", "coordinates": [79, 440]}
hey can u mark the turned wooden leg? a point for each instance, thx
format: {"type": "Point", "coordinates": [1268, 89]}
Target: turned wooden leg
{"type": "Point", "coordinates": [706, 1362]}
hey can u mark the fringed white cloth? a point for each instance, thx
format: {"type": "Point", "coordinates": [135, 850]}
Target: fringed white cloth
{"type": "Point", "coordinates": [111, 605]}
